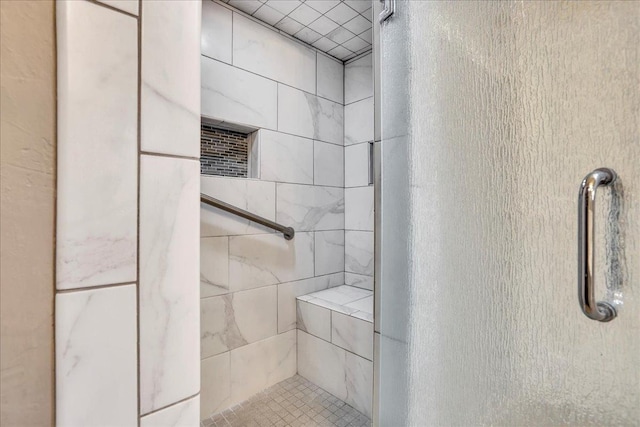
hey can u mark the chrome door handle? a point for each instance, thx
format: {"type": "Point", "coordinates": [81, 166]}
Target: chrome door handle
{"type": "Point", "coordinates": [601, 310]}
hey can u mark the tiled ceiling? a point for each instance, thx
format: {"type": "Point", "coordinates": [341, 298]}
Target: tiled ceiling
{"type": "Point", "coordinates": [341, 28]}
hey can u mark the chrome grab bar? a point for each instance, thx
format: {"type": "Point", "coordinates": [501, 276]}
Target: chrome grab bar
{"type": "Point", "coordinates": [287, 231]}
{"type": "Point", "coordinates": [601, 310]}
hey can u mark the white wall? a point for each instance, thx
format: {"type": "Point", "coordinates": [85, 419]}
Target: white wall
{"type": "Point", "coordinates": [254, 76]}
{"type": "Point", "coordinates": [127, 313]}
{"type": "Point", "coordinates": [358, 125]}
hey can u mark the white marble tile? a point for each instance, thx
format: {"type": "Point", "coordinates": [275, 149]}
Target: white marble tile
{"type": "Point", "coordinates": [303, 114]}
{"type": "Point", "coordinates": [329, 252]}
{"type": "Point", "coordinates": [215, 393]}
{"type": "Point", "coordinates": [285, 158]}
{"type": "Point", "coordinates": [322, 363]}
{"type": "Point", "coordinates": [251, 195]}
{"type": "Point", "coordinates": [356, 165]}
{"type": "Point", "coordinates": [266, 52]}
{"type": "Point", "coordinates": [214, 266]}
{"type": "Point", "coordinates": [181, 414]}
{"type": "Point", "coordinates": [358, 252]}
{"type": "Point", "coordinates": [170, 76]}
{"type": "Point", "coordinates": [359, 378]}
{"type": "Point", "coordinates": [268, 259]}
{"type": "Point", "coordinates": [234, 320]}
{"type": "Point", "coordinates": [328, 164]}
{"type": "Point", "coordinates": [365, 304]}
{"type": "Point", "coordinates": [257, 366]}
{"type": "Point", "coordinates": [237, 96]}
{"type": "Point", "coordinates": [308, 208]}
{"type": "Point", "coordinates": [330, 79]}
{"type": "Point", "coordinates": [216, 38]}
{"type": "Point", "coordinates": [96, 357]}
{"type": "Point", "coordinates": [368, 317]}
{"type": "Point", "coordinates": [287, 293]}
{"type": "Point", "coordinates": [129, 6]}
{"type": "Point", "coordinates": [359, 281]}
{"type": "Point", "coordinates": [358, 122]}
{"type": "Point", "coordinates": [340, 308]}
{"type": "Point", "coordinates": [358, 79]}
{"type": "Point", "coordinates": [314, 320]}
{"type": "Point", "coordinates": [97, 119]}
{"type": "Point", "coordinates": [358, 208]}
{"type": "Point", "coordinates": [352, 334]}
{"type": "Point", "coordinates": [169, 281]}
{"type": "Point", "coordinates": [341, 295]}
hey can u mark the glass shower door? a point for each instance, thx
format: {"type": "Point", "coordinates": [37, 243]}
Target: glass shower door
{"type": "Point", "coordinates": [492, 114]}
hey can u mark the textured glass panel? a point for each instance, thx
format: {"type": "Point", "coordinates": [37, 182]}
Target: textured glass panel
{"type": "Point", "coordinates": [492, 113]}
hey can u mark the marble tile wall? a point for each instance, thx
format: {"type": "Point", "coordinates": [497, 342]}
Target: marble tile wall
{"type": "Point", "coordinates": [127, 306]}
{"type": "Point", "coordinates": [358, 194]}
{"type": "Point", "coordinates": [292, 96]}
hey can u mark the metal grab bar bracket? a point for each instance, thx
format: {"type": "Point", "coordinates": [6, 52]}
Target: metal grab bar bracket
{"type": "Point", "coordinates": [288, 232]}
{"type": "Point", "coordinates": [601, 311]}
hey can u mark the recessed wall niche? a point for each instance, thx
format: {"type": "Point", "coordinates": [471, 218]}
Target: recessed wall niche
{"type": "Point", "coordinates": [224, 152]}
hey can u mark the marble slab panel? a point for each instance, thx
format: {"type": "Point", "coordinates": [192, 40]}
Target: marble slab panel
{"type": "Point", "coordinates": [214, 266]}
{"type": "Point", "coordinates": [328, 164]}
{"type": "Point", "coordinates": [252, 195]}
{"type": "Point", "coordinates": [96, 357]}
{"type": "Point", "coordinates": [314, 320]}
{"type": "Point", "coordinates": [237, 96]}
{"type": "Point", "coordinates": [266, 52]}
{"type": "Point", "coordinates": [287, 293]}
{"type": "Point", "coordinates": [358, 122]}
{"type": "Point", "coordinates": [233, 320]}
{"type": "Point", "coordinates": [359, 281]}
{"type": "Point", "coordinates": [352, 334]}
{"type": "Point", "coordinates": [356, 165]}
{"type": "Point", "coordinates": [97, 119]}
{"type": "Point", "coordinates": [308, 208]}
{"type": "Point", "coordinates": [358, 252]}
{"type": "Point", "coordinates": [169, 281]}
{"type": "Point", "coordinates": [359, 379]}
{"type": "Point", "coordinates": [307, 115]}
{"type": "Point", "coordinates": [330, 79]}
{"type": "Point", "coordinates": [358, 79]}
{"type": "Point", "coordinates": [216, 36]}
{"type": "Point", "coordinates": [285, 158]}
{"type": "Point", "coordinates": [268, 259]}
{"type": "Point", "coordinates": [358, 208]}
{"type": "Point", "coordinates": [181, 414]}
{"type": "Point", "coordinates": [215, 393]}
{"type": "Point", "coordinates": [170, 77]}
{"type": "Point", "coordinates": [329, 252]}
{"type": "Point", "coordinates": [341, 295]}
{"type": "Point", "coordinates": [257, 366]}
{"type": "Point", "coordinates": [322, 363]}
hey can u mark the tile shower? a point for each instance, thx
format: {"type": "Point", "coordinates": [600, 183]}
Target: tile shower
{"type": "Point", "coordinates": [262, 318]}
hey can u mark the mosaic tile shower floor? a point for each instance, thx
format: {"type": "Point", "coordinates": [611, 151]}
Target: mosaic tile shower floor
{"type": "Point", "coordinates": [294, 402]}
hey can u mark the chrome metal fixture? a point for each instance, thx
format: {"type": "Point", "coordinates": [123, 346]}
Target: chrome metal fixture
{"type": "Point", "coordinates": [601, 310]}
{"type": "Point", "coordinates": [288, 232]}
{"type": "Point", "coordinates": [389, 9]}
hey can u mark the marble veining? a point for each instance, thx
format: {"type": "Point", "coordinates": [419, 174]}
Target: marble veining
{"type": "Point", "coordinates": [97, 119]}
{"type": "Point", "coordinates": [308, 208]}
{"type": "Point", "coordinates": [358, 122]}
{"type": "Point", "coordinates": [267, 259]}
{"type": "Point", "coordinates": [214, 266]}
{"type": "Point", "coordinates": [359, 281]}
{"type": "Point", "coordinates": [359, 252]}
{"type": "Point", "coordinates": [234, 320]}
{"type": "Point", "coordinates": [185, 413]}
{"type": "Point", "coordinates": [285, 158]}
{"type": "Point", "coordinates": [170, 72]}
{"type": "Point", "coordinates": [169, 282]}
{"type": "Point", "coordinates": [304, 114]}
{"type": "Point", "coordinates": [237, 96]}
{"type": "Point", "coordinates": [314, 320]}
{"type": "Point", "coordinates": [96, 357]}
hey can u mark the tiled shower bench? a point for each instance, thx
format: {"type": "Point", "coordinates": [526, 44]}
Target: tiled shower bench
{"type": "Point", "coordinates": [335, 343]}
